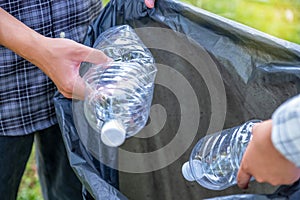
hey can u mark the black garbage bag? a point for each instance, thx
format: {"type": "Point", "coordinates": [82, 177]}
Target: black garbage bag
{"type": "Point", "coordinates": [101, 181]}
{"type": "Point", "coordinates": [213, 73]}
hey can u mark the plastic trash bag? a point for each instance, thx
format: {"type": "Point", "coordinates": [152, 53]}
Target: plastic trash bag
{"type": "Point", "coordinates": [100, 180]}
{"type": "Point", "coordinates": [254, 73]}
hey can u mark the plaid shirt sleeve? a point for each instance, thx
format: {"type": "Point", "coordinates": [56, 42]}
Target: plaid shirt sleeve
{"type": "Point", "coordinates": [26, 93]}
{"type": "Point", "coordinates": [286, 129]}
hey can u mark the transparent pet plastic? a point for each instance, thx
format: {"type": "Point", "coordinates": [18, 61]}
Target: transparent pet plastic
{"type": "Point", "coordinates": [215, 159]}
{"type": "Point", "coordinates": [118, 95]}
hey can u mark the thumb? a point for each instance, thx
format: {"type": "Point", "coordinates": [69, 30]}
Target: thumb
{"type": "Point", "coordinates": [243, 178]}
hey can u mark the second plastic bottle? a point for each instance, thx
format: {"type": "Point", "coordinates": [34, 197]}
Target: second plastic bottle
{"type": "Point", "coordinates": [215, 160]}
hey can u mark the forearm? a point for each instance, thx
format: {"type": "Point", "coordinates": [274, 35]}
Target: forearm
{"type": "Point", "coordinates": [58, 58]}
{"type": "Point", "coordinates": [18, 37]}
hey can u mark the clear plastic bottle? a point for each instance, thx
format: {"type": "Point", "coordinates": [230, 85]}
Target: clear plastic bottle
{"type": "Point", "coordinates": [119, 94]}
{"type": "Point", "coordinates": [215, 160]}
{"type": "Point", "coordinates": [122, 44]}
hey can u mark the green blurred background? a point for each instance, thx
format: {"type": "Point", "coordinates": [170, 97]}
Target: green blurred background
{"type": "Point", "coordinates": [280, 18]}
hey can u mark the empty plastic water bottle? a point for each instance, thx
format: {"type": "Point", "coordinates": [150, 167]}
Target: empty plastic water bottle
{"type": "Point", "coordinates": [119, 94]}
{"type": "Point", "coordinates": [215, 160]}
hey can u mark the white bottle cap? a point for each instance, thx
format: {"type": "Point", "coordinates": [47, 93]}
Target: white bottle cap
{"type": "Point", "coordinates": [187, 172]}
{"type": "Point", "coordinates": [113, 133]}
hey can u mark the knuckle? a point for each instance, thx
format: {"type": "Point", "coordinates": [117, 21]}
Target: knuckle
{"type": "Point", "coordinates": [68, 87]}
{"type": "Point", "coordinates": [65, 93]}
{"type": "Point", "coordinates": [274, 183]}
{"type": "Point", "coordinates": [278, 182]}
{"type": "Point", "coordinates": [259, 180]}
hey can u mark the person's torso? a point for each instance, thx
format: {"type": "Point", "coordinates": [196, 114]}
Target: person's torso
{"type": "Point", "coordinates": [26, 93]}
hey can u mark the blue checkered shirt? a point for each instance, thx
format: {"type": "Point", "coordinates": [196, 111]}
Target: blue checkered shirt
{"type": "Point", "coordinates": [286, 129]}
{"type": "Point", "coordinates": [26, 93]}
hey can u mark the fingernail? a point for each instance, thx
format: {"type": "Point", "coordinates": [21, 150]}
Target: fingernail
{"type": "Point", "coordinates": [149, 3]}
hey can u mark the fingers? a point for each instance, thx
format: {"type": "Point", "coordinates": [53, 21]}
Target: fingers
{"type": "Point", "coordinates": [243, 179]}
{"type": "Point", "coordinates": [150, 3]}
{"type": "Point", "coordinates": [79, 89]}
{"type": "Point", "coordinates": [97, 57]}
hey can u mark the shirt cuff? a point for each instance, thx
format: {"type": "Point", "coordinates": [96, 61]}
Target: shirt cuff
{"type": "Point", "coordinates": [286, 130]}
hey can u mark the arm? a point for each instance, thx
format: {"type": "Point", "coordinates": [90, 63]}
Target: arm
{"type": "Point", "coordinates": [58, 58]}
{"type": "Point", "coordinates": [273, 154]}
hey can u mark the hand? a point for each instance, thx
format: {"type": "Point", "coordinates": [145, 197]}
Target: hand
{"type": "Point", "coordinates": [150, 3]}
{"type": "Point", "coordinates": [58, 58]}
{"type": "Point", "coordinates": [60, 61]}
{"type": "Point", "coordinates": [264, 162]}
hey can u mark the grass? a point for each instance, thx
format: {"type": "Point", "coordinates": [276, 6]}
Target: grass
{"type": "Point", "coordinates": [30, 187]}
{"type": "Point", "coordinates": [280, 18]}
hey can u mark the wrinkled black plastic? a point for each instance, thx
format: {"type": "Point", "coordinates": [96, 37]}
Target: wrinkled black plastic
{"type": "Point", "coordinates": [237, 51]}
{"type": "Point", "coordinates": [101, 181]}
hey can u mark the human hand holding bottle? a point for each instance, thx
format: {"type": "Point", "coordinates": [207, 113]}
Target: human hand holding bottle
{"type": "Point", "coordinates": [58, 58]}
{"type": "Point", "coordinates": [61, 59]}
{"type": "Point", "coordinates": [264, 162]}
